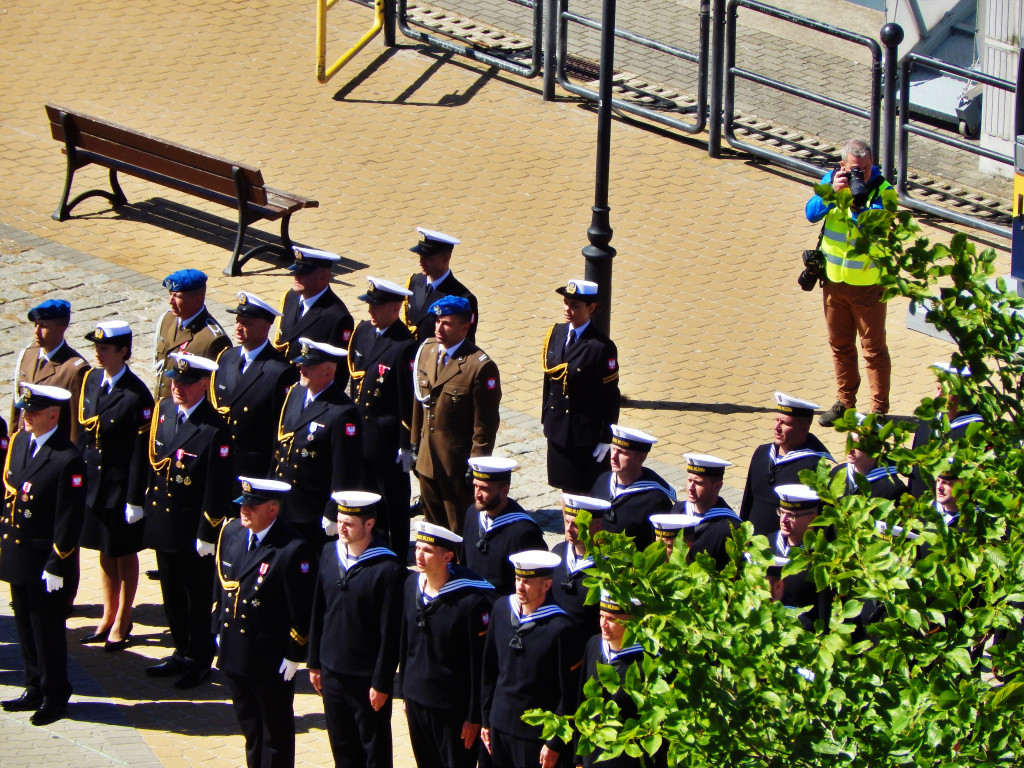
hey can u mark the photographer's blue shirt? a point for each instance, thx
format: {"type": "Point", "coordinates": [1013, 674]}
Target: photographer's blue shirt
{"type": "Point", "coordinates": [816, 208]}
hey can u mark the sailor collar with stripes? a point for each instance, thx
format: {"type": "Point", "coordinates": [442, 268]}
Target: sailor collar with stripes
{"type": "Point", "coordinates": [454, 584]}
{"type": "Point", "coordinates": [967, 418]}
{"type": "Point", "coordinates": [490, 524]}
{"type": "Point", "coordinates": [876, 474]}
{"type": "Point", "coordinates": [347, 562]}
{"type": "Point", "coordinates": [690, 508]}
{"type": "Point", "coordinates": [574, 563]}
{"type": "Point", "coordinates": [546, 611]}
{"type": "Point", "coordinates": [639, 486]}
{"type": "Point", "coordinates": [610, 656]}
{"type": "Point", "coordinates": [800, 453]}
{"type": "Point", "coordinates": [782, 547]}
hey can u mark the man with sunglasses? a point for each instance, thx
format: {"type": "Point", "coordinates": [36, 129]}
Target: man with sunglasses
{"type": "Point", "coordinates": [797, 507]}
{"type": "Point", "coordinates": [780, 461]}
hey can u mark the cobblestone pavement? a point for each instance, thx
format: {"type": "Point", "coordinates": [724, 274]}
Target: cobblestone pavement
{"type": "Point", "coordinates": [706, 312]}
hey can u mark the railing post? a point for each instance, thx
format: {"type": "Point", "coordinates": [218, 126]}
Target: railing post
{"type": "Point", "coordinates": [717, 69]}
{"type": "Point", "coordinates": [389, 21]}
{"type": "Point", "coordinates": [550, 47]}
{"type": "Point", "coordinates": [891, 36]}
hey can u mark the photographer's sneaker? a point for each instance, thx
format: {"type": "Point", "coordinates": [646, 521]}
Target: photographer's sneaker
{"type": "Point", "coordinates": [833, 414]}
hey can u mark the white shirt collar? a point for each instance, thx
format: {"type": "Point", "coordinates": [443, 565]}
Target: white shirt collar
{"type": "Point", "coordinates": [188, 411]}
{"type": "Point", "coordinates": [41, 440]}
{"type": "Point", "coordinates": [252, 355]}
{"type": "Point", "coordinates": [579, 331]}
{"type": "Point", "coordinates": [307, 303]}
{"type": "Point", "coordinates": [48, 356]}
{"type": "Point", "coordinates": [434, 283]}
{"type": "Point", "coordinates": [112, 380]}
{"type": "Point", "coordinates": [263, 534]}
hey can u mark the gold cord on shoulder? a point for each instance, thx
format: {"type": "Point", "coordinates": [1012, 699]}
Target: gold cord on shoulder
{"type": "Point", "coordinates": [559, 372]}
{"type": "Point", "coordinates": [229, 586]}
{"type": "Point", "coordinates": [158, 465]}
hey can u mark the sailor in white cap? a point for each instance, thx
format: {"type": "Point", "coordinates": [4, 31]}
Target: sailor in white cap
{"type": "Point", "coordinates": [435, 281]}
{"type": "Point", "coordinates": [667, 527]}
{"type": "Point", "coordinates": [496, 526]}
{"type": "Point", "coordinates": [780, 461]}
{"type": "Point", "coordinates": [636, 492]}
{"type": "Point", "coordinates": [356, 632]}
{"type": "Point", "coordinates": [311, 309]}
{"type": "Point", "coordinates": [567, 588]}
{"type": "Point", "coordinates": [530, 660]}
{"type": "Point", "coordinates": [249, 386]}
{"type": "Point", "coordinates": [266, 576]}
{"type": "Point", "coordinates": [705, 476]}
{"type": "Point", "coordinates": [447, 610]}
{"type": "Point", "coordinates": [580, 399]}
{"type": "Point", "coordinates": [45, 480]}
{"type": "Point", "coordinates": [187, 500]}
{"type": "Point", "coordinates": [114, 415]}
{"type": "Point", "coordinates": [884, 481]}
{"type": "Point", "coordinates": [380, 356]}
{"type": "Point", "coordinates": [319, 442]}
{"type": "Point", "coordinates": [798, 506]}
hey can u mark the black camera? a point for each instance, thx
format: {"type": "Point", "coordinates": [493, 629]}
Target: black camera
{"type": "Point", "coordinates": [814, 269]}
{"type": "Point", "coordinates": [858, 187]}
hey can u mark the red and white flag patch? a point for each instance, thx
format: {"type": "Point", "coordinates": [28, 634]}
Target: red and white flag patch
{"type": "Point", "coordinates": [492, 383]}
{"type": "Point", "coordinates": [225, 451]}
{"type": "Point", "coordinates": [350, 430]}
{"type": "Point", "coordinates": [345, 335]}
{"type": "Point", "coordinates": [612, 363]}
{"type": "Point", "coordinates": [147, 412]}
{"type": "Point", "coordinates": [304, 566]}
{"type": "Point", "coordinates": [76, 481]}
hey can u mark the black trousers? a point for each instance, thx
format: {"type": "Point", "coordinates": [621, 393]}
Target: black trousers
{"type": "Point", "coordinates": [508, 751]}
{"type": "Point", "coordinates": [263, 706]}
{"type": "Point", "coordinates": [382, 475]}
{"type": "Point", "coordinates": [360, 737]}
{"type": "Point", "coordinates": [42, 633]}
{"type": "Point", "coordinates": [436, 736]}
{"type": "Point", "coordinates": [186, 581]}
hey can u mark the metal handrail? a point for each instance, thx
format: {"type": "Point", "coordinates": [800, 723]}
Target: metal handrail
{"type": "Point", "coordinates": [906, 129]}
{"type": "Point", "coordinates": [470, 49]}
{"type": "Point", "coordinates": [700, 59]}
{"type": "Point", "coordinates": [323, 73]}
{"type": "Point", "coordinates": [732, 72]}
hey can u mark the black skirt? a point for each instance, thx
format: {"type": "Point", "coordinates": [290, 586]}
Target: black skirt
{"type": "Point", "coordinates": [106, 530]}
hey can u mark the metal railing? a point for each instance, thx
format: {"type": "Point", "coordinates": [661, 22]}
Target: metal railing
{"type": "Point", "coordinates": [324, 73]}
{"type": "Point", "coordinates": [906, 129]}
{"type": "Point", "coordinates": [452, 43]}
{"type": "Point", "coordinates": [666, 107]}
{"type": "Point", "coordinates": [872, 114]}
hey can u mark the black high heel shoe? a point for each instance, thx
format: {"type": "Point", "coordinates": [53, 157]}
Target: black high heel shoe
{"type": "Point", "coordinates": [95, 637]}
{"type": "Point", "coordinates": [112, 646]}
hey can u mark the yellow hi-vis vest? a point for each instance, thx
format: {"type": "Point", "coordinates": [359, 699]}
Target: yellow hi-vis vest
{"type": "Point", "coordinates": [837, 242]}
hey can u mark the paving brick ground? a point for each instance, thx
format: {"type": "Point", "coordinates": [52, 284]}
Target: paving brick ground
{"type": "Point", "coordinates": [707, 315]}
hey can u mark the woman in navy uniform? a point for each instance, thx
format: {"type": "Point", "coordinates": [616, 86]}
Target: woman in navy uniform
{"type": "Point", "coordinates": [44, 488]}
{"type": "Point", "coordinates": [266, 575]}
{"type": "Point", "coordinates": [581, 392]}
{"type": "Point", "coordinates": [447, 609]}
{"type": "Point", "coordinates": [114, 412]}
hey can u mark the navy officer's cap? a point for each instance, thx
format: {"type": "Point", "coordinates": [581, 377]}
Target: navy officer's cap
{"type": "Point", "coordinates": [256, 491]}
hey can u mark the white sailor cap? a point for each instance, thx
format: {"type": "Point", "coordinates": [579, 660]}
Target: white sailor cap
{"type": "Point", "coordinates": [383, 291]}
{"type": "Point", "coordinates": [110, 332]}
{"type": "Point", "coordinates": [432, 242]}
{"type": "Point", "coordinates": [358, 503]}
{"type": "Point", "coordinates": [258, 490]}
{"type": "Point", "coordinates": [188, 367]}
{"type": "Point", "coordinates": [668, 525]}
{"type": "Point", "coordinates": [313, 352]}
{"type": "Point", "coordinates": [632, 439]}
{"type": "Point", "coordinates": [251, 305]}
{"type": "Point", "coordinates": [534, 562]}
{"type": "Point", "coordinates": [308, 259]}
{"type": "Point", "coordinates": [609, 604]}
{"type": "Point", "coordinates": [797, 496]}
{"type": "Point", "coordinates": [705, 464]}
{"type": "Point", "coordinates": [585, 290]}
{"type": "Point", "coordinates": [429, 533]}
{"type": "Point", "coordinates": [494, 468]}
{"type": "Point", "coordinates": [952, 370]}
{"type": "Point", "coordinates": [794, 406]}
{"type": "Point", "coordinates": [36, 397]}
{"type": "Point", "coordinates": [573, 503]}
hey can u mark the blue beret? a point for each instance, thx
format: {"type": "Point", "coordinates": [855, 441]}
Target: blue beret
{"type": "Point", "coordinates": [51, 309]}
{"type": "Point", "coordinates": [451, 305]}
{"type": "Point", "coordinates": [185, 280]}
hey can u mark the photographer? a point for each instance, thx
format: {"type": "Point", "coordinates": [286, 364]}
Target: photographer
{"type": "Point", "coordinates": [851, 292]}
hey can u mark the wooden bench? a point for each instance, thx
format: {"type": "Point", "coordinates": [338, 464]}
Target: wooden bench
{"type": "Point", "coordinates": [90, 140]}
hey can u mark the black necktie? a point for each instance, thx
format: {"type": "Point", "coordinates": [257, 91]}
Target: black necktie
{"type": "Point", "coordinates": [572, 338]}
{"type": "Point", "coordinates": [179, 422]}
{"type": "Point", "coordinates": [104, 390]}
{"type": "Point", "coordinates": [253, 542]}
{"type": "Point", "coordinates": [32, 446]}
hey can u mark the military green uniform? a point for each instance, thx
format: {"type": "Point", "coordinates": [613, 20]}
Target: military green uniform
{"type": "Point", "coordinates": [203, 336]}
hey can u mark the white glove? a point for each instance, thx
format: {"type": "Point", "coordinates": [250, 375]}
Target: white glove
{"type": "Point", "coordinates": [406, 459]}
{"type": "Point", "coordinates": [288, 669]}
{"type": "Point", "coordinates": [330, 526]}
{"type": "Point", "coordinates": [205, 548]}
{"type": "Point", "coordinates": [601, 451]}
{"type": "Point", "coordinates": [53, 583]}
{"type": "Point", "coordinates": [132, 513]}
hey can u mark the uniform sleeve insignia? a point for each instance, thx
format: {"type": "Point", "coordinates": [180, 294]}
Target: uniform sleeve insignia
{"type": "Point", "coordinates": [3, 443]}
{"type": "Point", "coordinates": [485, 619]}
{"type": "Point", "coordinates": [147, 412]}
{"type": "Point", "coordinates": [225, 451]}
{"type": "Point", "coordinates": [412, 364]}
{"type": "Point", "coordinates": [76, 481]}
{"type": "Point", "coordinates": [492, 383]}
{"type": "Point", "coordinates": [304, 566]}
{"type": "Point", "coordinates": [612, 363]}
{"type": "Point", "coordinates": [79, 361]}
{"type": "Point", "coordinates": [161, 418]}
{"type": "Point", "coordinates": [345, 335]}
{"type": "Point", "coordinates": [350, 430]}
{"type": "Point", "coordinates": [483, 358]}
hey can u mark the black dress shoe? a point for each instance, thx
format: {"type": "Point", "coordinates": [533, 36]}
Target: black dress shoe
{"type": "Point", "coordinates": [153, 575]}
{"type": "Point", "coordinates": [113, 646]}
{"type": "Point", "coordinates": [95, 637]}
{"type": "Point", "coordinates": [27, 702]}
{"type": "Point", "coordinates": [48, 713]}
{"type": "Point", "coordinates": [194, 677]}
{"type": "Point", "coordinates": [169, 667]}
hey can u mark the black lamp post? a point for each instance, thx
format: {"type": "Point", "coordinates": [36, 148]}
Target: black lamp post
{"type": "Point", "coordinates": [599, 253]}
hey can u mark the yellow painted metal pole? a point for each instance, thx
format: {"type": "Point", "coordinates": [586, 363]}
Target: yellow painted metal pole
{"type": "Point", "coordinates": [323, 74]}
